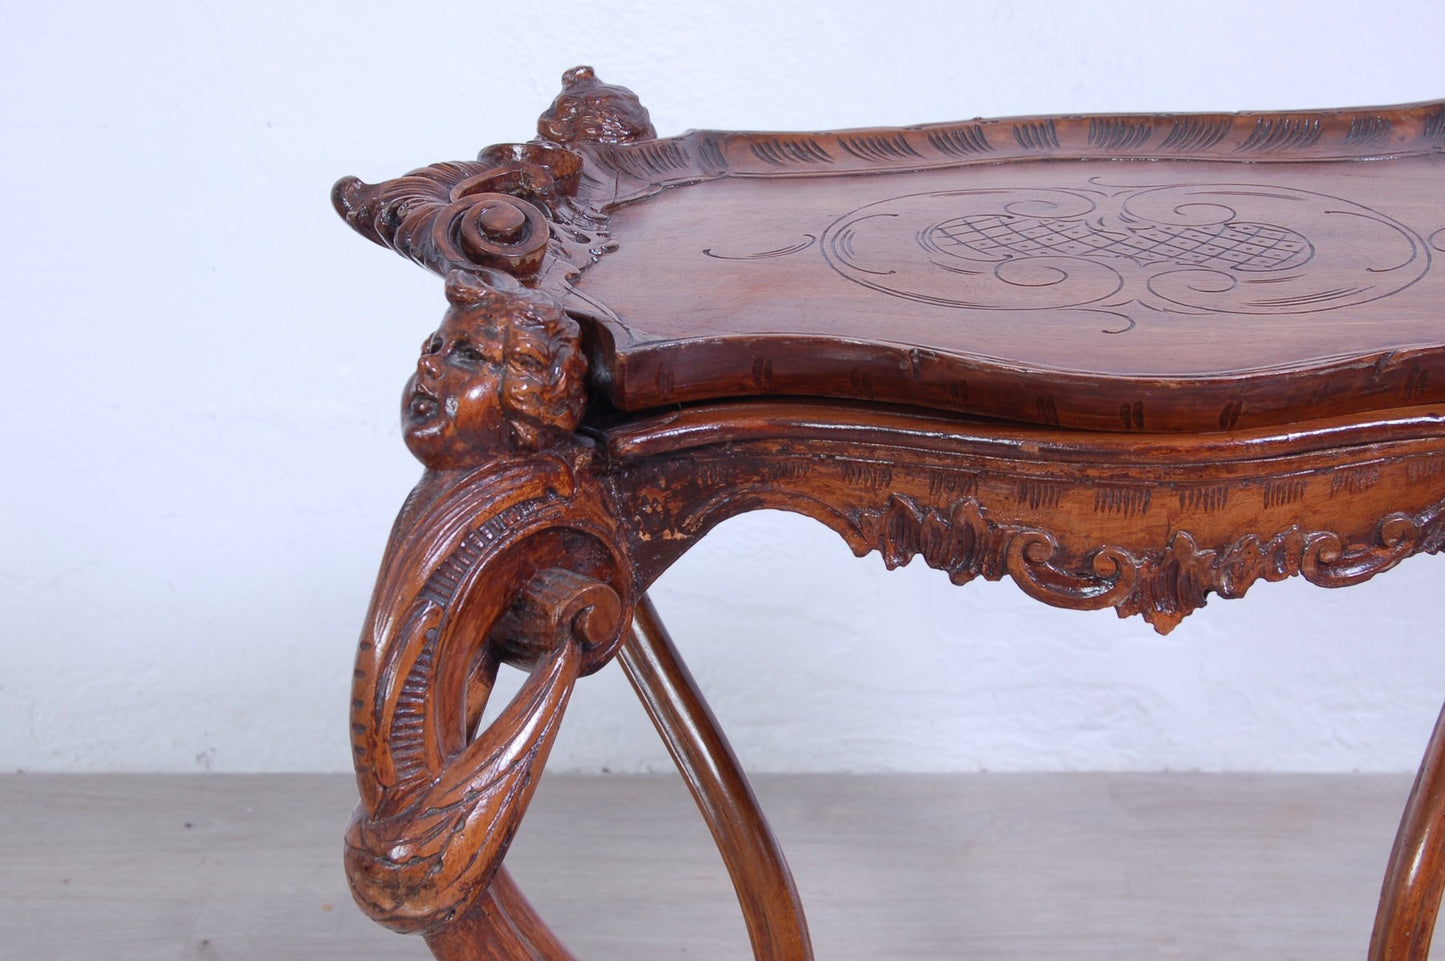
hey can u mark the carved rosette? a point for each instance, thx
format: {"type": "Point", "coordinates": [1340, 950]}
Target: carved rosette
{"type": "Point", "coordinates": [1163, 586]}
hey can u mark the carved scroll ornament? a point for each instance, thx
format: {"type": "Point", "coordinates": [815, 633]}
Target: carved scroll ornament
{"type": "Point", "coordinates": [492, 212]}
{"type": "Point", "coordinates": [506, 553]}
{"type": "Point", "coordinates": [506, 211]}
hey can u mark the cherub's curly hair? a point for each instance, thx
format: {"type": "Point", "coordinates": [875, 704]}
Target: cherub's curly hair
{"type": "Point", "coordinates": [588, 109]}
{"type": "Point", "coordinates": [544, 372]}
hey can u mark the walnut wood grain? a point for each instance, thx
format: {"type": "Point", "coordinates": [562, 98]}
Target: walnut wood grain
{"type": "Point", "coordinates": [1011, 348]}
{"type": "Point", "coordinates": [501, 925]}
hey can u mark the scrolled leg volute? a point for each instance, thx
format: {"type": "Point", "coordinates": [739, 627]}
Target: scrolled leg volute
{"type": "Point", "coordinates": [497, 567]}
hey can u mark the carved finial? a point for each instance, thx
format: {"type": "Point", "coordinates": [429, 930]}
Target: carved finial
{"type": "Point", "coordinates": [505, 371]}
{"type": "Point", "coordinates": [589, 110]}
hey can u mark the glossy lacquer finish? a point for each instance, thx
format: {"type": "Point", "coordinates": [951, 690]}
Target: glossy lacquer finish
{"type": "Point", "coordinates": [1128, 362]}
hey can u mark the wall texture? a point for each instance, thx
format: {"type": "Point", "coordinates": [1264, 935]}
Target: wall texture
{"type": "Point", "coordinates": [203, 369]}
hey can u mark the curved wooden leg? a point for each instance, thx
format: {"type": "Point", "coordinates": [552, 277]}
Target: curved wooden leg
{"type": "Point", "coordinates": [1415, 877]}
{"type": "Point", "coordinates": [760, 874]}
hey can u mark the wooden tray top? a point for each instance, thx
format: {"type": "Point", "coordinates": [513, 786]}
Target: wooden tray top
{"type": "Point", "coordinates": [1165, 273]}
{"type": "Point", "coordinates": [947, 267]}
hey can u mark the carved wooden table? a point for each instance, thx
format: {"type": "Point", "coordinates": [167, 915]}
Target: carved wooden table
{"type": "Point", "coordinates": [1128, 361]}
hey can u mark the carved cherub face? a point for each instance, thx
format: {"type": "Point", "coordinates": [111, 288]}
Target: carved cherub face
{"type": "Point", "coordinates": [452, 403]}
{"type": "Point", "coordinates": [589, 110]}
{"type": "Point", "coordinates": [503, 372]}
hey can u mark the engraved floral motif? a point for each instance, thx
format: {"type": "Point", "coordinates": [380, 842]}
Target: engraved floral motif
{"type": "Point", "coordinates": [1176, 248]}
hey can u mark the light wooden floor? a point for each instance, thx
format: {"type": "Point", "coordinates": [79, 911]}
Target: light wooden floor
{"type": "Point", "coordinates": [135, 868]}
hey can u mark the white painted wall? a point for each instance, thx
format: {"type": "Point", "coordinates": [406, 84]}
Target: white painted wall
{"type": "Point", "coordinates": [202, 368]}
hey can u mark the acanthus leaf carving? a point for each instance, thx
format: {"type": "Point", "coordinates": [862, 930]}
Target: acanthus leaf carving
{"type": "Point", "coordinates": [961, 543]}
{"type": "Point", "coordinates": [1163, 586]}
{"type": "Point", "coordinates": [966, 543]}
